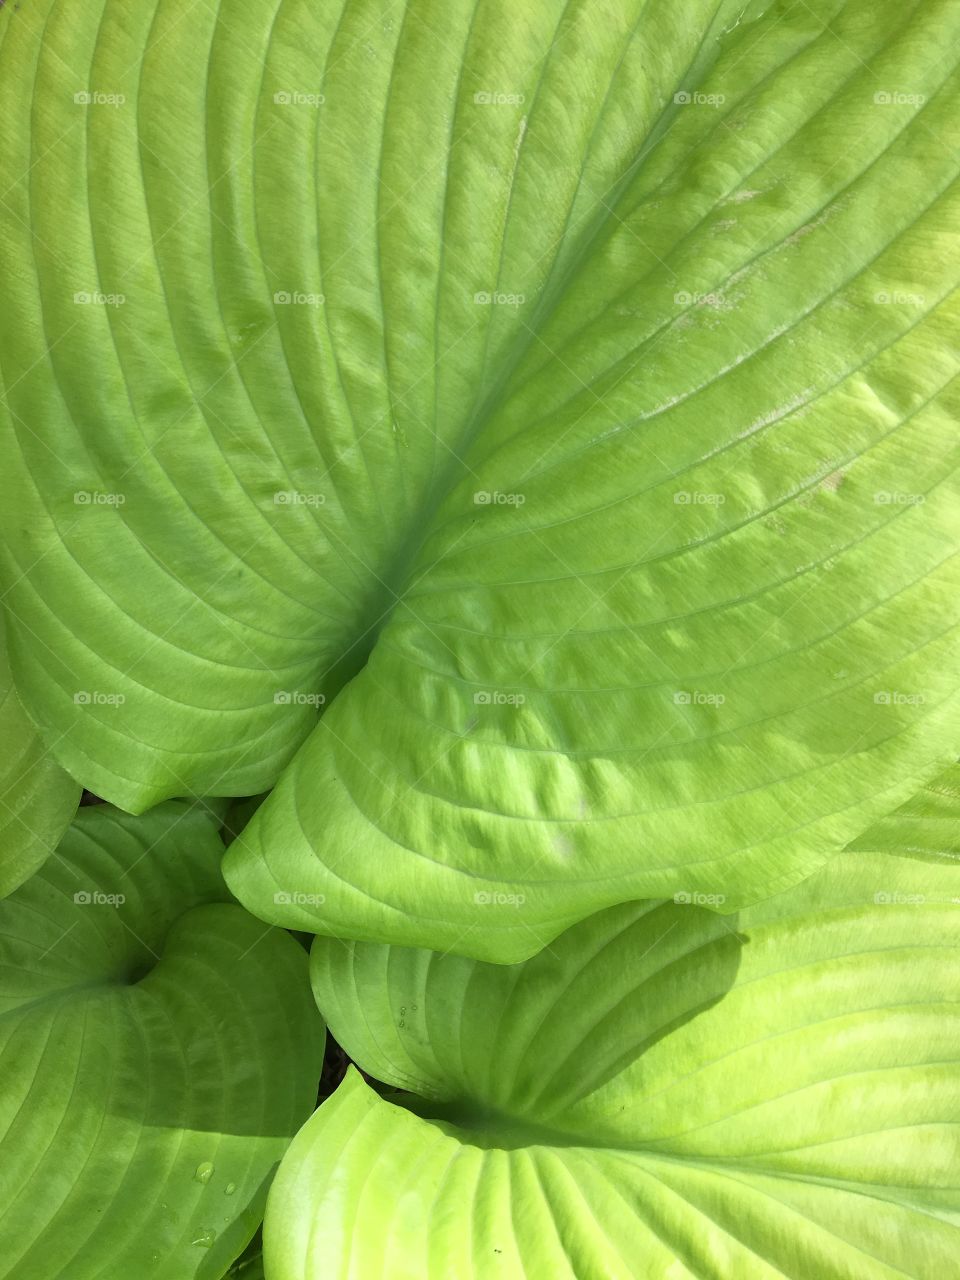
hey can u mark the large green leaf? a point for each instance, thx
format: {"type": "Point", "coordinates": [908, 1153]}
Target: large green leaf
{"type": "Point", "coordinates": [158, 1050]}
{"type": "Point", "coordinates": [664, 1093]}
{"type": "Point", "coordinates": [37, 798]}
{"type": "Point", "coordinates": [579, 376]}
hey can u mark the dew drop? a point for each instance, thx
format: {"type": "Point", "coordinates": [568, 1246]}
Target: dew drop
{"type": "Point", "coordinates": [205, 1237]}
{"type": "Point", "coordinates": [229, 1189]}
{"type": "Point", "coordinates": [204, 1172]}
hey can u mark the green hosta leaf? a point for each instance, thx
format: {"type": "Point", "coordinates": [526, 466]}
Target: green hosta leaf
{"type": "Point", "coordinates": [579, 376]}
{"type": "Point", "coordinates": [37, 799]}
{"type": "Point", "coordinates": [158, 1050]}
{"type": "Point", "coordinates": [663, 1093]}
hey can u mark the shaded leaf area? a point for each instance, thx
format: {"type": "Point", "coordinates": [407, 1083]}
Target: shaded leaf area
{"type": "Point", "coordinates": [158, 1050]}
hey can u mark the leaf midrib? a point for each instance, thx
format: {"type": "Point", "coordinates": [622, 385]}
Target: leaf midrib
{"type": "Point", "coordinates": [398, 573]}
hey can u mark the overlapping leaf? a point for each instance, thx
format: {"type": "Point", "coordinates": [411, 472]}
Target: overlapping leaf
{"type": "Point", "coordinates": [663, 1093]}
{"type": "Point", "coordinates": [158, 1050]}
{"type": "Point", "coordinates": [579, 376]}
{"type": "Point", "coordinates": [927, 826]}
